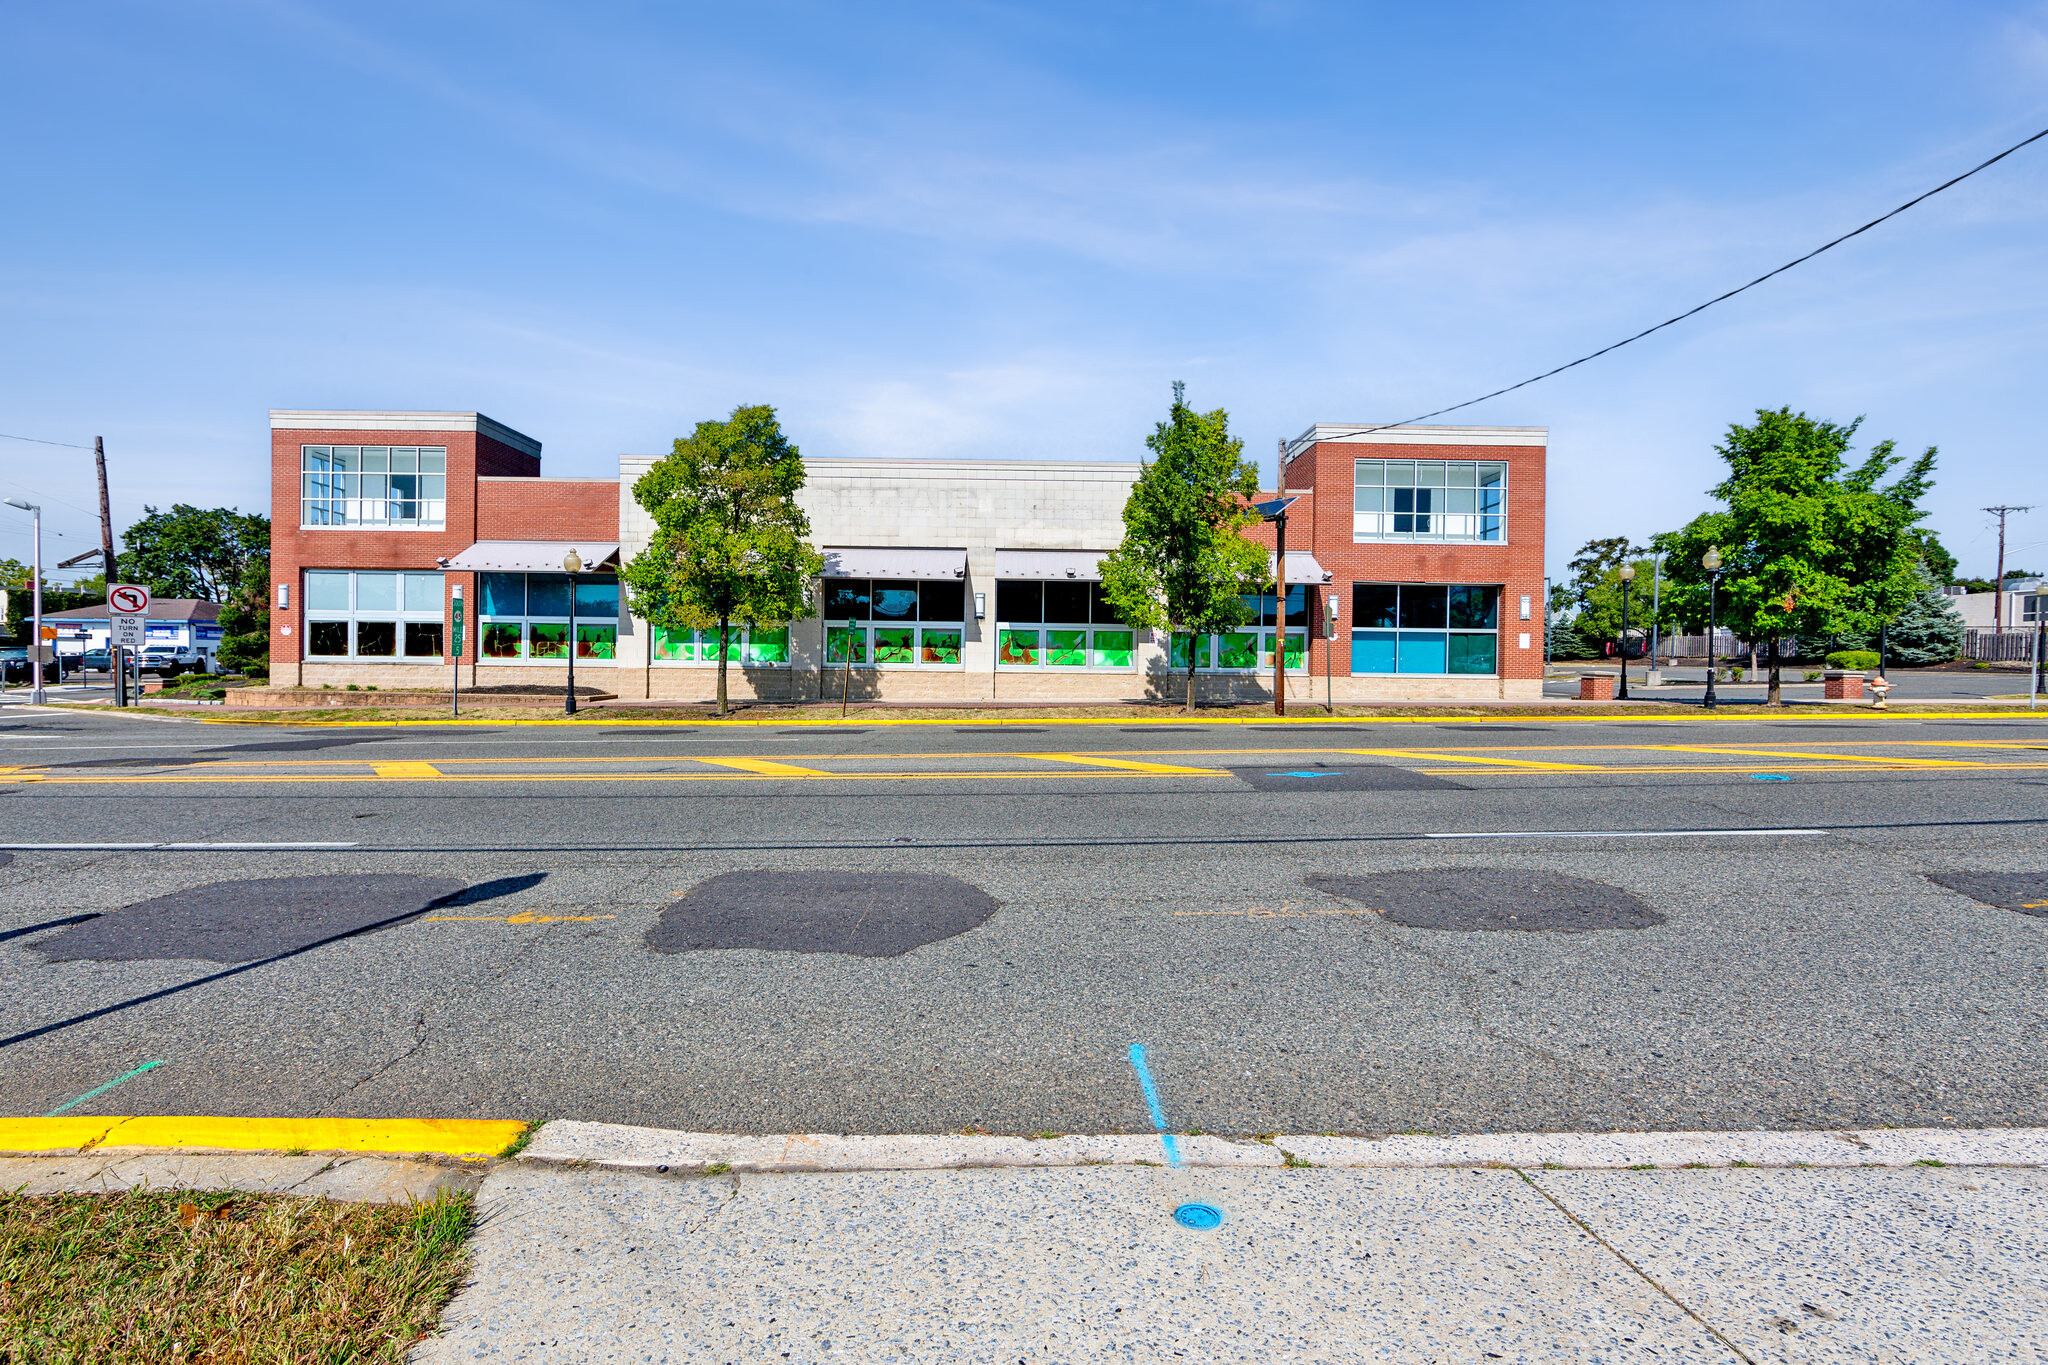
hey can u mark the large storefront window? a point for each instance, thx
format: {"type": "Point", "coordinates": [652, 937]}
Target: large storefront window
{"type": "Point", "coordinates": [377, 616]}
{"type": "Point", "coordinates": [1059, 623]}
{"type": "Point", "coordinates": [1249, 648]}
{"type": "Point", "coordinates": [1424, 628]}
{"type": "Point", "coordinates": [526, 616]}
{"type": "Point", "coordinates": [394, 487]}
{"type": "Point", "coordinates": [754, 646]}
{"type": "Point", "coordinates": [895, 622]}
{"type": "Point", "coordinates": [1429, 500]}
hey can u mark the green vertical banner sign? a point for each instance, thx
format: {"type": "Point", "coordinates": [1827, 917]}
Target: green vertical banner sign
{"type": "Point", "coordinates": [455, 652]}
{"type": "Point", "coordinates": [455, 636]}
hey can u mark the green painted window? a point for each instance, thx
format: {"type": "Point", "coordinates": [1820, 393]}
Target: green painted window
{"type": "Point", "coordinates": [549, 639]}
{"type": "Point", "coordinates": [1111, 649]}
{"type": "Point", "coordinates": [503, 642]}
{"type": "Point", "coordinates": [939, 646]}
{"type": "Point", "coordinates": [1018, 647]}
{"type": "Point", "coordinates": [838, 639]}
{"type": "Point", "coordinates": [597, 642]}
{"type": "Point", "coordinates": [1066, 648]}
{"type": "Point", "coordinates": [768, 646]}
{"type": "Point", "coordinates": [1238, 649]}
{"type": "Point", "coordinates": [894, 645]}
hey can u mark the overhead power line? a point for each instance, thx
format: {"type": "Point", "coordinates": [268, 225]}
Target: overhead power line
{"type": "Point", "coordinates": [1719, 298]}
{"type": "Point", "coordinates": [37, 440]}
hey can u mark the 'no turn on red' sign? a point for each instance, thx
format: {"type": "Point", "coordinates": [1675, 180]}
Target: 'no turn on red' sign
{"type": "Point", "coordinates": [128, 599]}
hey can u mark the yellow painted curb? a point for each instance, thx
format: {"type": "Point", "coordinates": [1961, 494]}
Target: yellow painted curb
{"type": "Point", "coordinates": [439, 1137]}
{"type": "Point", "coordinates": [1795, 712]}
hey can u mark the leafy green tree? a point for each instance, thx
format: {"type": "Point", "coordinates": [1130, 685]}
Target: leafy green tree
{"type": "Point", "coordinates": [730, 544]}
{"type": "Point", "coordinates": [14, 573]}
{"type": "Point", "coordinates": [1185, 563]}
{"type": "Point", "coordinates": [1927, 630]}
{"type": "Point", "coordinates": [1599, 616]}
{"type": "Point", "coordinates": [1810, 545]}
{"type": "Point", "coordinates": [1941, 565]}
{"type": "Point", "coordinates": [245, 627]}
{"type": "Point", "coordinates": [202, 553]}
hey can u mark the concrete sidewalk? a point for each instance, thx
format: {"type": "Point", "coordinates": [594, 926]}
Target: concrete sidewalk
{"type": "Point", "coordinates": [631, 1262]}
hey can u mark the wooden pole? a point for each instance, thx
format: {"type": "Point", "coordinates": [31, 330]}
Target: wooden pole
{"type": "Point", "coordinates": [99, 458]}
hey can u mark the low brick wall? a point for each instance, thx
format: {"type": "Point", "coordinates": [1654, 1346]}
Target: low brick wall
{"type": "Point", "coordinates": [312, 698]}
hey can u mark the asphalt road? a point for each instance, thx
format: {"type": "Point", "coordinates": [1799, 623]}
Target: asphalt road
{"type": "Point", "coordinates": [1780, 956]}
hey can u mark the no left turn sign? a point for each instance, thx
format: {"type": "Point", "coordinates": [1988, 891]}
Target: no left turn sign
{"type": "Point", "coordinates": [129, 599]}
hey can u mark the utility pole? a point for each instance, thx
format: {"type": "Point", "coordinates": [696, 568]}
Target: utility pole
{"type": "Point", "coordinates": [1998, 596]}
{"type": "Point", "coordinates": [99, 457]}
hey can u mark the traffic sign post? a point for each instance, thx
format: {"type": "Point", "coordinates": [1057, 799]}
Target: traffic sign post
{"type": "Point", "coordinates": [127, 614]}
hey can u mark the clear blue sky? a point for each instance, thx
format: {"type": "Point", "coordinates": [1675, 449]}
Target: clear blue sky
{"type": "Point", "coordinates": [1002, 231]}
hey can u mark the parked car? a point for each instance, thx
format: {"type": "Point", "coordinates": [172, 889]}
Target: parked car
{"type": "Point", "coordinates": [14, 665]}
{"type": "Point", "coordinates": [95, 661]}
{"type": "Point", "coordinates": [171, 660]}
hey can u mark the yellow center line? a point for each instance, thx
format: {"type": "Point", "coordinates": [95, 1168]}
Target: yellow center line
{"type": "Point", "coordinates": [761, 766]}
{"type": "Point", "coordinates": [527, 918]}
{"type": "Point", "coordinates": [406, 770]}
{"type": "Point", "coordinates": [1127, 765]}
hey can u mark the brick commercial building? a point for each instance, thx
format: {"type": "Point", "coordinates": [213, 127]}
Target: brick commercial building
{"type": "Point", "coordinates": [944, 580]}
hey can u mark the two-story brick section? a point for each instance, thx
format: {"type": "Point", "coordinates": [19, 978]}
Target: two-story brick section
{"type": "Point", "coordinates": [944, 579]}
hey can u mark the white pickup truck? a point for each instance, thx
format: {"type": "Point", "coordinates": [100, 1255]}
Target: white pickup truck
{"type": "Point", "coordinates": [170, 660]}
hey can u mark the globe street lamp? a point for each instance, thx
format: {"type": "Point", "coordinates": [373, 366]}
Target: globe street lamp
{"type": "Point", "coordinates": [572, 564]}
{"type": "Point", "coordinates": [1711, 562]}
{"type": "Point", "coordinates": [35, 578]}
{"type": "Point", "coordinates": [1628, 576]}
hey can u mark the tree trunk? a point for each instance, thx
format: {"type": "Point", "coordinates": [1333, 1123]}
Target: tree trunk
{"type": "Point", "coordinates": [1774, 697]}
{"type": "Point", "coordinates": [724, 626]}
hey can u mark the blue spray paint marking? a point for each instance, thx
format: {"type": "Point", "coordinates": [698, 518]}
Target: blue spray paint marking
{"type": "Point", "coordinates": [1324, 773]}
{"type": "Point", "coordinates": [101, 1090]}
{"type": "Point", "coordinates": [1768, 777]}
{"type": "Point", "coordinates": [1152, 1099]}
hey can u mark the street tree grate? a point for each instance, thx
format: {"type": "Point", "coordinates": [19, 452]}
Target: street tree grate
{"type": "Point", "coordinates": [2025, 892]}
{"type": "Point", "coordinates": [866, 914]}
{"type": "Point", "coordinates": [250, 920]}
{"type": "Point", "coordinates": [1357, 777]}
{"type": "Point", "coordinates": [1465, 900]}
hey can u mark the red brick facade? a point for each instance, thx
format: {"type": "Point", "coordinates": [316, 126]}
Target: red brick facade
{"type": "Point", "coordinates": [494, 492]}
{"type": "Point", "coordinates": [1321, 522]}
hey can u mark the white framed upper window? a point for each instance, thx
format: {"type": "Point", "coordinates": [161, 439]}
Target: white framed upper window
{"type": "Point", "coordinates": [1440, 500]}
{"type": "Point", "coordinates": [399, 488]}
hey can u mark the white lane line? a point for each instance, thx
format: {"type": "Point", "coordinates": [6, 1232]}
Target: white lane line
{"type": "Point", "coordinates": [1616, 833]}
{"type": "Point", "coordinates": [117, 848]}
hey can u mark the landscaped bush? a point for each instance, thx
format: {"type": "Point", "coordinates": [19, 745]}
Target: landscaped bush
{"type": "Point", "coordinates": [1854, 660]}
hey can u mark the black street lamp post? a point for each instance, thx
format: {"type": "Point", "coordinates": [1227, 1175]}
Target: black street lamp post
{"type": "Point", "coordinates": [1711, 562]}
{"type": "Point", "coordinates": [572, 564]}
{"type": "Point", "coordinates": [1628, 576]}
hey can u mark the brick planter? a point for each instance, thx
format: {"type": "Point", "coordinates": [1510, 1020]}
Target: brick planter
{"type": "Point", "coordinates": [1596, 687]}
{"type": "Point", "coordinates": [1838, 686]}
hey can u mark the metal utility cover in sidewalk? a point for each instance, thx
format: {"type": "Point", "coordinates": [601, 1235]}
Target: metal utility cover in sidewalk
{"type": "Point", "coordinates": [866, 914]}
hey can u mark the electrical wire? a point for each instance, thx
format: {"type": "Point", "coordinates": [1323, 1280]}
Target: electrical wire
{"type": "Point", "coordinates": [1719, 298]}
{"type": "Point", "coordinates": [37, 440]}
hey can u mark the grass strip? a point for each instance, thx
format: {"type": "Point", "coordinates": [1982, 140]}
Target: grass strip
{"type": "Point", "coordinates": [187, 1278]}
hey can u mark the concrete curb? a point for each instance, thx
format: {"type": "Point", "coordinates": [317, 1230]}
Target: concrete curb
{"type": "Point", "coordinates": [567, 1142]}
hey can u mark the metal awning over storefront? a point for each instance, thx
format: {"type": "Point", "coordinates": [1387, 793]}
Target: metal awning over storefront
{"type": "Point", "coordinates": [885, 561]}
{"type": "Point", "coordinates": [1049, 563]}
{"type": "Point", "coordinates": [1301, 568]}
{"type": "Point", "coordinates": [533, 556]}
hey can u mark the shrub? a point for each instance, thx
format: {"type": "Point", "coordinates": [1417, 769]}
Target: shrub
{"type": "Point", "coordinates": [1855, 660]}
{"type": "Point", "coordinates": [1811, 675]}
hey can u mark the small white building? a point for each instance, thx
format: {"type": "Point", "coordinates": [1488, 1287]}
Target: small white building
{"type": "Point", "coordinates": [185, 622]}
{"type": "Point", "coordinates": [2023, 606]}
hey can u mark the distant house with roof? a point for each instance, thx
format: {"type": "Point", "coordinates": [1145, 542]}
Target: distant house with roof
{"type": "Point", "coordinates": [186, 622]}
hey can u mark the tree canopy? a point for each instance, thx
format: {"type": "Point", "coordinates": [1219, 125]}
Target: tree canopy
{"type": "Point", "coordinates": [730, 543]}
{"type": "Point", "coordinates": [1811, 545]}
{"type": "Point", "coordinates": [204, 553]}
{"type": "Point", "coordinates": [1185, 562]}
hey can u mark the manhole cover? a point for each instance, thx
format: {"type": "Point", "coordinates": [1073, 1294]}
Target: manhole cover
{"type": "Point", "coordinates": [1467, 899]}
{"type": "Point", "coordinates": [868, 914]}
{"type": "Point", "coordinates": [2026, 892]}
{"type": "Point", "coordinates": [1360, 777]}
{"type": "Point", "coordinates": [245, 921]}
{"type": "Point", "coordinates": [1201, 1217]}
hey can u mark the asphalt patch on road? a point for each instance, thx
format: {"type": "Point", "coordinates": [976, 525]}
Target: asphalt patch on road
{"type": "Point", "coordinates": [815, 731]}
{"type": "Point", "coordinates": [249, 920]}
{"type": "Point", "coordinates": [1160, 729]}
{"type": "Point", "coordinates": [292, 746]}
{"type": "Point", "coordinates": [2025, 892]}
{"type": "Point", "coordinates": [997, 730]}
{"type": "Point", "coordinates": [1322, 777]}
{"type": "Point", "coordinates": [866, 914]}
{"type": "Point", "coordinates": [5, 859]}
{"type": "Point", "coordinates": [1468, 900]}
{"type": "Point", "coordinates": [1493, 729]}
